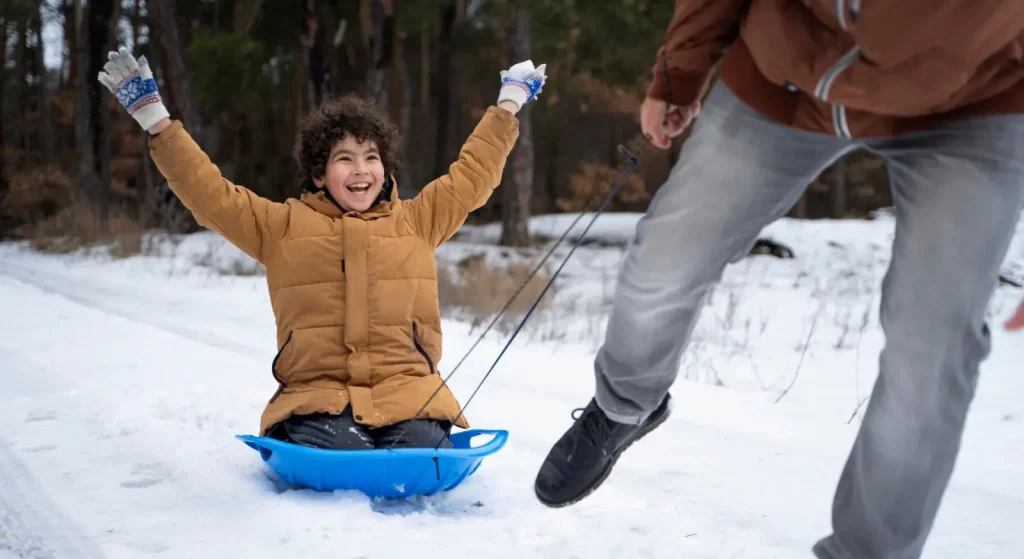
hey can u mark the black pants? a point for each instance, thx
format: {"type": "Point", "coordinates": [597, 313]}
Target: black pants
{"type": "Point", "coordinates": [341, 432]}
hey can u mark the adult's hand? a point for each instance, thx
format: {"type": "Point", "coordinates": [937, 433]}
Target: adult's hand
{"type": "Point", "coordinates": [660, 126]}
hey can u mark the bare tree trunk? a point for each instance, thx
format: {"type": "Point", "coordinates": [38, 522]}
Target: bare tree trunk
{"type": "Point", "coordinates": [136, 21]}
{"type": "Point", "coordinates": [104, 37]}
{"type": "Point", "coordinates": [273, 165]}
{"type": "Point", "coordinates": [424, 66]}
{"type": "Point", "coordinates": [334, 60]}
{"type": "Point", "coordinates": [405, 174]}
{"type": "Point", "coordinates": [399, 97]}
{"type": "Point", "coordinates": [88, 182]}
{"type": "Point", "coordinates": [47, 134]}
{"type": "Point", "coordinates": [68, 69]}
{"type": "Point", "coordinates": [447, 88]}
{"type": "Point", "coordinates": [146, 186]}
{"type": "Point", "coordinates": [517, 190]}
{"type": "Point", "coordinates": [313, 42]}
{"type": "Point", "coordinates": [92, 138]}
{"type": "Point", "coordinates": [163, 23]}
{"type": "Point", "coordinates": [840, 180]}
{"type": "Point", "coordinates": [245, 13]}
{"type": "Point", "coordinates": [382, 48]}
{"type": "Point", "coordinates": [552, 152]}
{"type": "Point", "coordinates": [3, 115]}
{"type": "Point", "coordinates": [370, 46]}
{"type": "Point", "coordinates": [396, 74]}
{"type": "Point", "coordinates": [300, 85]}
{"type": "Point", "coordinates": [20, 96]}
{"type": "Point", "coordinates": [799, 211]}
{"type": "Point", "coordinates": [366, 26]}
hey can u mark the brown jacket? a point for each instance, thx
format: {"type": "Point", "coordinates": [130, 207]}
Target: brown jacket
{"type": "Point", "coordinates": [869, 69]}
{"type": "Point", "coordinates": [354, 294]}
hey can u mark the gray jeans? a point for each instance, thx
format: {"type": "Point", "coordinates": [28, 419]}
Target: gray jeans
{"type": "Point", "coordinates": [958, 192]}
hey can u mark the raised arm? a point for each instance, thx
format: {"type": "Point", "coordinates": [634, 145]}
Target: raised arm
{"type": "Point", "coordinates": [438, 211]}
{"type": "Point", "coordinates": [245, 219]}
{"type": "Point", "coordinates": [236, 213]}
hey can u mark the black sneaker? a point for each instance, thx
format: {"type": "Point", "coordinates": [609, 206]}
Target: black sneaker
{"type": "Point", "coordinates": [582, 459]}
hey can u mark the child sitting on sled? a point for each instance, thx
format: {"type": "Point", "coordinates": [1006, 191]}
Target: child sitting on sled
{"type": "Point", "coordinates": [350, 266]}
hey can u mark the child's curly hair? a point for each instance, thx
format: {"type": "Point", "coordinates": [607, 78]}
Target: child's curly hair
{"type": "Point", "coordinates": [333, 121]}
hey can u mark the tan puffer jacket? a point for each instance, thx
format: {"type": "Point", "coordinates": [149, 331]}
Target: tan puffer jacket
{"type": "Point", "coordinates": [354, 294]}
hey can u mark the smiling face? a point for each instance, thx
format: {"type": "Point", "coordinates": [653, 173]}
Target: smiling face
{"type": "Point", "coordinates": [354, 174]}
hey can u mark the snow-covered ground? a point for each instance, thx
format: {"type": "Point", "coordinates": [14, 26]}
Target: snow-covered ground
{"type": "Point", "coordinates": [124, 381]}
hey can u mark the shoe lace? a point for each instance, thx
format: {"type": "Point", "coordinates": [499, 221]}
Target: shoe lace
{"type": "Point", "coordinates": [593, 427]}
{"type": "Point", "coordinates": [589, 429]}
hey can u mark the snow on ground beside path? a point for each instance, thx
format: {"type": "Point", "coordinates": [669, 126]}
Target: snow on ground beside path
{"type": "Point", "coordinates": [124, 382]}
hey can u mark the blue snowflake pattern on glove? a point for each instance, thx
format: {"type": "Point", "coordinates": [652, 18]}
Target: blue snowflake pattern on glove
{"type": "Point", "coordinates": [521, 84]}
{"type": "Point", "coordinates": [131, 81]}
{"type": "Point", "coordinates": [135, 93]}
{"type": "Point", "coordinates": [531, 86]}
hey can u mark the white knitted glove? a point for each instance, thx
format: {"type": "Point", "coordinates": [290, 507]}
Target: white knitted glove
{"type": "Point", "coordinates": [521, 83]}
{"type": "Point", "coordinates": [132, 83]}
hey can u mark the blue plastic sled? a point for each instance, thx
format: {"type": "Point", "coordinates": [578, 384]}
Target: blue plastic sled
{"type": "Point", "coordinates": [387, 473]}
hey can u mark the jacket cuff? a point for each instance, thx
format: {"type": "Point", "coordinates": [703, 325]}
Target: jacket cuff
{"type": "Point", "coordinates": [685, 87]}
{"type": "Point", "coordinates": [166, 135]}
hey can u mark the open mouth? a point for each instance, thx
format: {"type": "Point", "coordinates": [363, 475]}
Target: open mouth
{"type": "Point", "coordinates": [358, 188]}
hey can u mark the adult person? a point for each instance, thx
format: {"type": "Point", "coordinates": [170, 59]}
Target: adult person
{"type": "Point", "coordinates": [937, 90]}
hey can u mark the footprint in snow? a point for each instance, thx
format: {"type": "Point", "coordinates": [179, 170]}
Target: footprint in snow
{"type": "Point", "coordinates": [147, 474]}
{"type": "Point", "coordinates": [149, 547]}
{"type": "Point", "coordinates": [41, 415]}
{"type": "Point", "coordinates": [42, 448]}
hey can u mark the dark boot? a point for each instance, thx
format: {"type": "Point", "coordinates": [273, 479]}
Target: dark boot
{"type": "Point", "coordinates": [322, 430]}
{"type": "Point", "coordinates": [414, 433]}
{"type": "Point", "coordinates": [583, 458]}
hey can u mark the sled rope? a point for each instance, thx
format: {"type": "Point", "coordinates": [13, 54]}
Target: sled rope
{"type": "Point", "coordinates": [633, 162]}
{"type": "Point", "coordinates": [529, 277]}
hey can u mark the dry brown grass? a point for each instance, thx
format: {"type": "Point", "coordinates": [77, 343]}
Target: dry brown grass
{"type": "Point", "coordinates": [243, 266]}
{"type": "Point", "coordinates": [476, 290]}
{"type": "Point", "coordinates": [43, 203]}
{"type": "Point", "coordinates": [77, 227]}
{"type": "Point", "coordinates": [37, 194]}
{"type": "Point", "coordinates": [592, 181]}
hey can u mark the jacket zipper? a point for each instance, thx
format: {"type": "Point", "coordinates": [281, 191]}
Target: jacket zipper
{"type": "Point", "coordinates": [841, 14]}
{"type": "Point", "coordinates": [419, 348]}
{"type": "Point", "coordinates": [273, 367]}
{"type": "Point", "coordinates": [821, 91]}
{"type": "Point", "coordinates": [847, 12]}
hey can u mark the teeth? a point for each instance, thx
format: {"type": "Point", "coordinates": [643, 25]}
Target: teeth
{"type": "Point", "coordinates": [359, 187]}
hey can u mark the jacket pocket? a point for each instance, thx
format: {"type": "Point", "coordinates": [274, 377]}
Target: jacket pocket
{"type": "Point", "coordinates": [273, 367]}
{"type": "Point", "coordinates": [419, 347]}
